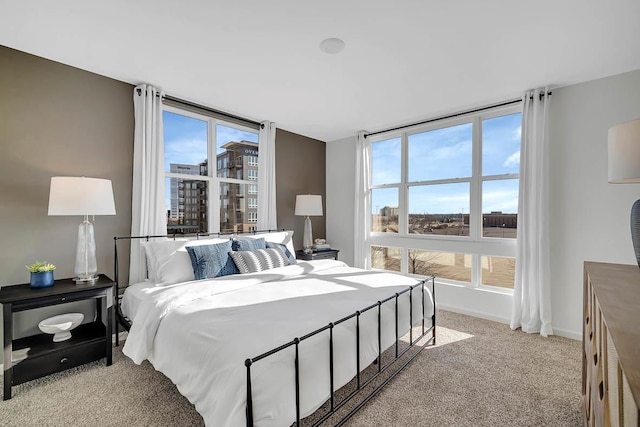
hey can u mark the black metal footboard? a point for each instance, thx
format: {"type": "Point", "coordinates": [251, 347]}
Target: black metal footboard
{"type": "Point", "coordinates": [333, 405]}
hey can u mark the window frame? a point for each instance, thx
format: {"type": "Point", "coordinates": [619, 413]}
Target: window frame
{"type": "Point", "coordinates": [475, 244]}
{"type": "Point", "coordinates": [213, 181]}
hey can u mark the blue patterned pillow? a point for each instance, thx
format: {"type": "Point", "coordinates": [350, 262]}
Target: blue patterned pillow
{"type": "Point", "coordinates": [209, 261]}
{"type": "Point", "coordinates": [291, 257]}
{"type": "Point", "coordinates": [248, 244]}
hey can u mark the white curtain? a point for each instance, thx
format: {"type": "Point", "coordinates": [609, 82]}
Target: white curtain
{"type": "Point", "coordinates": [361, 207]}
{"type": "Point", "coordinates": [267, 219]}
{"type": "Point", "coordinates": [148, 210]}
{"type": "Point", "coordinates": [531, 297]}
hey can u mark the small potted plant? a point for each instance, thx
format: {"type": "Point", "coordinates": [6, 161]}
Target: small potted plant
{"type": "Point", "coordinates": [41, 274]}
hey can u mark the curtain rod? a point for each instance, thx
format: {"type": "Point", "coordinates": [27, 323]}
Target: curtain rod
{"type": "Point", "coordinates": [450, 116]}
{"type": "Point", "coordinates": [208, 109]}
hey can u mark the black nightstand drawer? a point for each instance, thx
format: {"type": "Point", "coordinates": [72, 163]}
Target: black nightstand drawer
{"type": "Point", "coordinates": [324, 255]}
{"type": "Point", "coordinates": [36, 367]}
{"type": "Point", "coordinates": [329, 254]}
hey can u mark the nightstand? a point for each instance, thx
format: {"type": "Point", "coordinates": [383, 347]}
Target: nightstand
{"type": "Point", "coordinates": [330, 254]}
{"type": "Point", "coordinates": [32, 357]}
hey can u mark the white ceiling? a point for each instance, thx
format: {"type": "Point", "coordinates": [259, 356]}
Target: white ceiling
{"type": "Point", "coordinates": [404, 60]}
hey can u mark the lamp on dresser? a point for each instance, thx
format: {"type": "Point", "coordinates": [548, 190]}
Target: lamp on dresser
{"type": "Point", "coordinates": [82, 196]}
{"type": "Point", "coordinates": [624, 168]}
{"type": "Point", "coordinates": [308, 205]}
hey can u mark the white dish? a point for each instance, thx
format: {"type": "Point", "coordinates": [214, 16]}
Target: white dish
{"type": "Point", "coordinates": [61, 325]}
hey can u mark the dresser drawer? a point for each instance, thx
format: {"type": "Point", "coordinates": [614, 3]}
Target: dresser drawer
{"type": "Point", "coordinates": [56, 361]}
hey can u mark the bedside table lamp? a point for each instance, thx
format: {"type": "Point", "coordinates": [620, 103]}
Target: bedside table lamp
{"type": "Point", "coordinates": [308, 205]}
{"type": "Point", "coordinates": [624, 168]}
{"type": "Point", "coordinates": [82, 196]}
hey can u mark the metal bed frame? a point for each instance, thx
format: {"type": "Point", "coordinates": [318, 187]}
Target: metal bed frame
{"type": "Point", "coordinates": [334, 406]}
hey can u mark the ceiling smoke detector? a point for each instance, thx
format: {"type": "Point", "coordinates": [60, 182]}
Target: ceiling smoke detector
{"type": "Point", "coordinates": [332, 45]}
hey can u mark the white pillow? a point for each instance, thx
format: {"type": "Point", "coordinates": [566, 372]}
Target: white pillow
{"type": "Point", "coordinates": [168, 261]}
{"type": "Point", "coordinates": [284, 237]}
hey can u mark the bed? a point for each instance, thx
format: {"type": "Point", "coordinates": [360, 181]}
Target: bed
{"type": "Point", "coordinates": [269, 348]}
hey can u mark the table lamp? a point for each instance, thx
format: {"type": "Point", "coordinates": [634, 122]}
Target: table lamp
{"type": "Point", "coordinates": [624, 168]}
{"type": "Point", "coordinates": [308, 205]}
{"type": "Point", "coordinates": [82, 196]}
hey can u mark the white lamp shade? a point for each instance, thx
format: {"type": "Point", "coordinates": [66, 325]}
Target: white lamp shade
{"type": "Point", "coordinates": [624, 153]}
{"type": "Point", "coordinates": [81, 196]}
{"type": "Point", "coordinates": [309, 205]}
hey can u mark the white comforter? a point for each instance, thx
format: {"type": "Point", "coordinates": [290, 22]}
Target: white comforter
{"type": "Point", "coordinates": [200, 333]}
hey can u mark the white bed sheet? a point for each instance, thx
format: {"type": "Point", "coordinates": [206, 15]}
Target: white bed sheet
{"type": "Point", "coordinates": [135, 294]}
{"type": "Point", "coordinates": [199, 334]}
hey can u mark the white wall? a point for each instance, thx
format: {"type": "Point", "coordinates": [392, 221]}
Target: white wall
{"type": "Point", "coordinates": [589, 217]}
{"type": "Point", "coordinates": [340, 190]}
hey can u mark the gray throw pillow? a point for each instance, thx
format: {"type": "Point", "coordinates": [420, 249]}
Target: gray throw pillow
{"type": "Point", "coordinates": [291, 257]}
{"type": "Point", "coordinates": [259, 260]}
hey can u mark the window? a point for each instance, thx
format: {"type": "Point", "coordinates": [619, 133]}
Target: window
{"type": "Point", "coordinates": [385, 258]}
{"type": "Point", "coordinates": [253, 216]}
{"type": "Point", "coordinates": [198, 198]}
{"type": "Point", "coordinates": [252, 174]}
{"type": "Point", "coordinates": [444, 199]}
{"type": "Point", "coordinates": [252, 160]}
{"type": "Point", "coordinates": [253, 203]}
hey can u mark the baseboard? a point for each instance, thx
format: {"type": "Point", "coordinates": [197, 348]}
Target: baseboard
{"type": "Point", "coordinates": [568, 334]}
{"type": "Point", "coordinates": [559, 332]}
{"type": "Point", "coordinates": [472, 313]}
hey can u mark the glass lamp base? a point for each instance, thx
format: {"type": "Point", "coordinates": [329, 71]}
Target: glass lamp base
{"type": "Point", "coordinates": [86, 265]}
{"type": "Point", "coordinates": [307, 238]}
{"type": "Point", "coordinates": [85, 280]}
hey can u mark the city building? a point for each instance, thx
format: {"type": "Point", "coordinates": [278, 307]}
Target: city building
{"type": "Point", "coordinates": [238, 202]}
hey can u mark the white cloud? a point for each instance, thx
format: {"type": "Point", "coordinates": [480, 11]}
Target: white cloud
{"type": "Point", "coordinates": [512, 161]}
{"type": "Point", "coordinates": [185, 151]}
{"type": "Point", "coordinates": [517, 133]}
{"type": "Point", "coordinates": [504, 200]}
{"type": "Point", "coordinates": [451, 151]}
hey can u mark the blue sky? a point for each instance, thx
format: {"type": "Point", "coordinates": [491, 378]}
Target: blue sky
{"type": "Point", "coordinates": [185, 141]}
{"type": "Point", "coordinates": [185, 138]}
{"type": "Point", "coordinates": [445, 154]}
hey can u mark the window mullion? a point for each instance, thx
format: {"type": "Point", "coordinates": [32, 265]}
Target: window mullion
{"type": "Point", "coordinates": [403, 211]}
{"type": "Point", "coordinates": [214, 183]}
{"type": "Point", "coordinates": [476, 270]}
{"type": "Point", "coordinates": [475, 216]}
{"type": "Point", "coordinates": [403, 202]}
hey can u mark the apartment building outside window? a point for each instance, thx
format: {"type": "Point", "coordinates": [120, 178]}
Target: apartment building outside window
{"type": "Point", "coordinates": [201, 198]}
{"type": "Point", "coordinates": [444, 199]}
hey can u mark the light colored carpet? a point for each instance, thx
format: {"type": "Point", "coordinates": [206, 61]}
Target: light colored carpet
{"type": "Point", "coordinates": [480, 374]}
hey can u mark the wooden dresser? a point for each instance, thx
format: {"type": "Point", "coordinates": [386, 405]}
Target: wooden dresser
{"type": "Point", "coordinates": [611, 345]}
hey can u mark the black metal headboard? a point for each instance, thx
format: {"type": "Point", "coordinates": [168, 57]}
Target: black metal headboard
{"type": "Point", "coordinates": [120, 318]}
{"type": "Point", "coordinates": [174, 236]}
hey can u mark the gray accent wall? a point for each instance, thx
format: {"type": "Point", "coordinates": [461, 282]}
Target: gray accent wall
{"type": "Point", "coordinates": [57, 120]}
{"type": "Point", "coordinates": [300, 169]}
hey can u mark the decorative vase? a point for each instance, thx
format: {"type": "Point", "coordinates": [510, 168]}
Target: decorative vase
{"type": "Point", "coordinates": [42, 279]}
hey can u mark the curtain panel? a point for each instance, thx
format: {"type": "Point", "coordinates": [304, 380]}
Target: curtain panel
{"type": "Point", "coordinates": [361, 208]}
{"type": "Point", "coordinates": [267, 219]}
{"type": "Point", "coordinates": [148, 210]}
{"type": "Point", "coordinates": [532, 292]}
